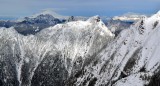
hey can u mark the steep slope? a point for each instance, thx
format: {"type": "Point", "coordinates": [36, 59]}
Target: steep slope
{"type": "Point", "coordinates": [80, 39]}
{"type": "Point", "coordinates": [130, 60]}
{"type": "Point", "coordinates": [51, 56]}
{"type": "Point", "coordinates": [20, 56]}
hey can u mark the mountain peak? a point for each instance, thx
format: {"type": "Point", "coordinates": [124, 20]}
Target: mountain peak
{"type": "Point", "coordinates": [156, 16]}
{"type": "Point", "coordinates": [94, 19]}
{"type": "Point", "coordinates": [50, 12]}
{"type": "Point", "coordinates": [158, 12]}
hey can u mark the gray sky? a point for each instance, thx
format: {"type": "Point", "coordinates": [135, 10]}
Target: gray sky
{"type": "Point", "coordinates": [19, 8]}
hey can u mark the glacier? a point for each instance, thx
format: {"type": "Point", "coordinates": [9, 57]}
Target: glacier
{"type": "Point", "coordinates": [82, 53]}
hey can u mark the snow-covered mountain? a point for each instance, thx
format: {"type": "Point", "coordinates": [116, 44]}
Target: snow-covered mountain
{"type": "Point", "coordinates": [132, 59]}
{"type": "Point", "coordinates": [34, 25]}
{"type": "Point", "coordinates": [50, 12]}
{"type": "Point", "coordinates": [39, 21]}
{"type": "Point", "coordinates": [129, 17]}
{"type": "Point", "coordinates": [82, 53]}
{"type": "Point", "coordinates": [58, 16]}
{"type": "Point", "coordinates": [52, 55]}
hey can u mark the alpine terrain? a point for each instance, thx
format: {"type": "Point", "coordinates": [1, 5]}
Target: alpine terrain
{"type": "Point", "coordinates": [81, 53]}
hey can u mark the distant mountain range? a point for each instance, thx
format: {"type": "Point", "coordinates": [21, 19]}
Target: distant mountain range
{"type": "Point", "coordinates": [129, 17]}
{"type": "Point", "coordinates": [37, 22]}
{"type": "Point", "coordinates": [45, 19]}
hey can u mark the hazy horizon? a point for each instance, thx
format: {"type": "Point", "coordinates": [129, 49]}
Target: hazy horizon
{"type": "Point", "coordinates": [109, 8]}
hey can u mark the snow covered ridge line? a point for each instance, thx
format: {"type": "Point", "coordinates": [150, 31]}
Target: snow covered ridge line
{"type": "Point", "coordinates": [81, 38]}
{"type": "Point", "coordinates": [56, 15]}
{"type": "Point", "coordinates": [58, 51]}
{"type": "Point", "coordinates": [132, 59]}
{"type": "Point", "coordinates": [129, 17]}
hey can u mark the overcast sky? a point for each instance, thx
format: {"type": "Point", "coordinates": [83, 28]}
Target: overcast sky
{"type": "Point", "coordinates": [21, 8]}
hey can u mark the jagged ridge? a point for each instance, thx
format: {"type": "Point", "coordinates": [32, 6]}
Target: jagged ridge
{"type": "Point", "coordinates": [56, 52]}
{"type": "Point", "coordinates": [130, 60]}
